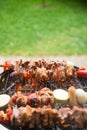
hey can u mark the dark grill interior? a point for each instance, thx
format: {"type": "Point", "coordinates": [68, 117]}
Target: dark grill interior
{"type": "Point", "coordinates": [9, 88]}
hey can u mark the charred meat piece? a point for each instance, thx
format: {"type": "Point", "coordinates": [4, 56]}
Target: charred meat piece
{"type": "Point", "coordinates": [37, 99]}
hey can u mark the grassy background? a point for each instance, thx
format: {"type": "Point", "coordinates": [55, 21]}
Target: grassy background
{"type": "Point", "coordinates": [28, 29]}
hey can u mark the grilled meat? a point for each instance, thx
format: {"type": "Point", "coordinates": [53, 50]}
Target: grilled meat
{"type": "Point", "coordinates": [36, 73]}
{"type": "Point", "coordinates": [46, 116]}
{"type": "Point", "coordinates": [37, 99]}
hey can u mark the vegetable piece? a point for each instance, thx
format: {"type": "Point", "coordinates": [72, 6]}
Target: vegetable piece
{"type": "Point", "coordinates": [6, 65]}
{"type": "Point", "coordinates": [82, 72]}
{"type": "Point", "coordinates": [81, 96]}
{"type": "Point", "coordinates": [61, 95]}
{"type": "Point", "coordinates": [4, 100]}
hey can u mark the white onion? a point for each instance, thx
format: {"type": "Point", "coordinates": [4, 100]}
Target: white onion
{"type": "Point", "coordinates": [81, 96]}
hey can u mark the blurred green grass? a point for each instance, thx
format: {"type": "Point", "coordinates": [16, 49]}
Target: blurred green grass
{"type": "Point", "coordinates": [28, 29]}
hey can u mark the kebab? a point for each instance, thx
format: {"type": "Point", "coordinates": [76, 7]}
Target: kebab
{"type": "Point", "coordinates": [36, 99]}
{"type": "Point", "coordinates": [45, 96]}
{"type": "Point", "coordinates": [37, 73]}
{"type": "Point", "coordinates": [46, 116]}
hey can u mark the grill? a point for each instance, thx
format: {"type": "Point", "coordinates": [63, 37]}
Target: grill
{"type": "Point", "coordinates": [9, 89]}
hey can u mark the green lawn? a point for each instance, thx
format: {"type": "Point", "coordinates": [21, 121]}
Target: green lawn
{"type": "Point", "coordinates": [28, 29]}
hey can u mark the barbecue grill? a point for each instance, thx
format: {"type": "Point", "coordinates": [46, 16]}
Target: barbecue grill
{"type": "Point", "coordinates": [79, 82]}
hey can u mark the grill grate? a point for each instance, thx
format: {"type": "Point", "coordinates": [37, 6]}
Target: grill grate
{"type": "Point", "coordinates": [10, 89]}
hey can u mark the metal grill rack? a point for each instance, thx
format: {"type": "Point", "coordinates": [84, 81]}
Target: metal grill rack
{"type": "Point", "coordinates": [79, 82]}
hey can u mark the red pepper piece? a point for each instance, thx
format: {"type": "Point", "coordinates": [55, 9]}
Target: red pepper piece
{"type": "Point", "coordinates": [82, 72]}
{"type": "Point", "coordinates": [6, 65]}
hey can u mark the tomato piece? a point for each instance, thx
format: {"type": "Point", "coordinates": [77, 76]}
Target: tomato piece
{"type": "Point", "coordinates": [82, 72]}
